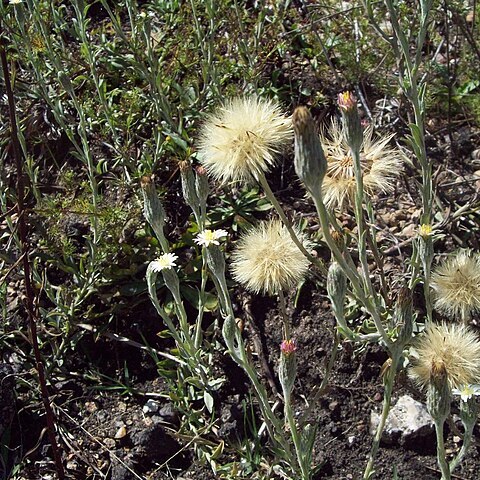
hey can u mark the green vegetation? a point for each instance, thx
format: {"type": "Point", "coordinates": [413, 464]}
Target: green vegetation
{"type": "Point", "coordinates": [110, 95]}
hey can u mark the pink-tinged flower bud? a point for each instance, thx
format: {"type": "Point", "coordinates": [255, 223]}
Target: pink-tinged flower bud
{"type": "Point", "coordinates": [347, 101]}
{"type": "Point", "coordinates": [351, 120]}
{"type": "Point", "coordinates": [201, 170]}
{"type": "Point", "coordinates": [288, 347]}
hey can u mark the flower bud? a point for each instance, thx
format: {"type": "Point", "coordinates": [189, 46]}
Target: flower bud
{"type": "Point", "coordinates": [336, 286]}
{"type": "Point", "coordinates": [189, 189]}
{"type": "Point", "coordinates": [215, 260]}
{"type": "Point", "coordinates": [288, 366]}
{"type": "Point", "coordinates": [439, 395]}
{"type": "Point", "coordinates": [228, 332]}
{"type": "Point", "coordinates": [153, 210]}
{"type": "Point", "coordinates": [201, 185]}
{"type": "Point", "coordinates": [172, 282]}
{"type": "Point", "coordinates": [310, 161]}
{"type": "Point", "coordinates": [287, 347]}
{"type": "Point", "coordinates": [351, 120]}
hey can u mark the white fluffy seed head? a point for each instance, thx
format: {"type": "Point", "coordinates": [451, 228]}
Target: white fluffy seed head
{"type": "Point", "coordinates": [242, 138]}
{"type": "Point", "coordinates": [267, 260]}
{"type": "Point", "coordinates": [380, 166]}
{"type": "Point", "coordinates": [453, 349]}
{"type": "Point", "coordinates": [456, 285]}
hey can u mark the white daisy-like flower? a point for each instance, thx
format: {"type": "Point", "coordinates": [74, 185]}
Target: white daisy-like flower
{"type": "Point", "coordinates": [163, 262]}
{"type": "Point", "coordinates": [467, 392]}
{"type": "Point", "coordinates": [240, 141]}
{"type": "Point", "coordinates": [15, 2]}
{"type": "Point", "coordinates": [210, 237]}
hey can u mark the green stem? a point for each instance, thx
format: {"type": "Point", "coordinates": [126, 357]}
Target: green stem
{"type": "Point", "coordinates": [441, 454]}
{"type": "Point", "coordinates": [349, 270]}
{"type": "Point", "coordinates": [271, 197]}
{"type": "Point", "coordinates": [467, 441]}
{"type": "Point", "coordinates": [387, 399]}
{"type": "Point", "coordinates": [305, 470]}
{"type": "Point", "coordinates": [283, 312]}
{"type": "Point", "coordinates": [201, 306]}
{"type": "Point", "coordinates": [362, 239]}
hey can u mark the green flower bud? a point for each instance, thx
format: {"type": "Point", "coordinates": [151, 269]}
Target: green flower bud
{"type": "Point", "coordinates": [310, 161]}
{"type": "Point", "coordinates": [288, 366]}
{"type": "Point", "coordinates": [215, 260]}
{"type": "Point", "coordinates": [336, 286]}
{"type": "Point", "coordinates": [201, 185]}
{"type": "Point", "coordinates": [153, 210]}
{"type": "Point", "coordinates": [439, 394]}
{"type": "Point", "coordinates": [351, 120]}
{"type": "Point", "coordinates": [189, 189]}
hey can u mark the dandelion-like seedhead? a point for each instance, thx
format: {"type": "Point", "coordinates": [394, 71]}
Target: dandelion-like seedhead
{"type": "Point", "coordinates": [267, 260]}
{"type": "Point", "coordinates": [456, 283]}
{"type": "Point", "coordinates": [163, 262]}
{"type": "Point", "coordinates": [240, 141]}
{"type": "Point", "coordinates": [380, 165]}
{"type": "Point", "coordinates": [453, 350]}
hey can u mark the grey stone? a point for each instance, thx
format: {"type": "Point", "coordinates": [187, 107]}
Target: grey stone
{"type": "Point", "coordinates": [151, 406]}
{"type": "Point", "coordinates": [408, 422]}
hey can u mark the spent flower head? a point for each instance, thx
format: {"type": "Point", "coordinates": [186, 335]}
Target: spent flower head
{"type": "Point", "coordinates": [210, 237]}
{"type": "Point", "coordinates": [239, 142]}
{"type": "Point", "coordinates": [380, 165]}
{"type": "Point", "coordinates": [267, 260]}
{"type": "Point", "coordinates": [456, 284]}
{"type": "Point", "coordinates": [451, 350]}
{"type": "Point", "coordinates": [165, 261]}
{"type": "Point", "coordinates": [467, 392]}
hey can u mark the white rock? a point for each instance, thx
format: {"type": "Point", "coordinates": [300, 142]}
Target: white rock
{"type": "Point", "coordinates": [407, 422]}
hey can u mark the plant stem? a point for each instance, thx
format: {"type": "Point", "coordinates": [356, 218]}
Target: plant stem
{"type": "Point", "coordinates": [23, 234]}
{"type": "Point", "coordinates": [288, 225]}
{"type": "Point", "coordinates": [283, 312]}
{"type": "Point", "coordinates": [305, 470]}
{"type": "Point", "coordinates": [387, 398]}
{"type": "Point", "coordinates": [441, 455]}
{"type": "Point", "coordinates": [348, 269]}
{"type": "Point", "coordinates": [467, 441]}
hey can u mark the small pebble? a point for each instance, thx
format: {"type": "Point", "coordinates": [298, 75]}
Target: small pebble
{"type": "Point", "coordinates": [151, 406]}
{"type": "Point", "coordinates": [121, 432]}
{"type": "Point", "coordinates": [109, 442]}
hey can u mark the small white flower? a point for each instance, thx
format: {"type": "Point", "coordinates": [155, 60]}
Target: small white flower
{"type": "Point", "coordinates": [164, 262]}
{"type": "Point", "coordinates": [15, 2]}
{"type": "Point", "coordinates": [467, 392]}
{"type": "Point", "coordinates": [210, 237]}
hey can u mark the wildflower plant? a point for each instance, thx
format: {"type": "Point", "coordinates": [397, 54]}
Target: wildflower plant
{"type": "Point", "coordinates": [446, 360]}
